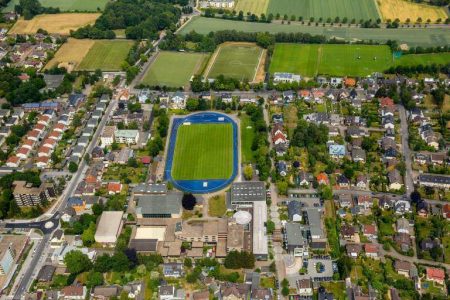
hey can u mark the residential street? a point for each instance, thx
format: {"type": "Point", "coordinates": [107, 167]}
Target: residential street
{"type": "Point", "coordinates": [406, 152]}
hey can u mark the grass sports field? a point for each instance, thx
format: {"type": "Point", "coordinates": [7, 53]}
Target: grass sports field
{"type": "Point", "coordinates": [236, 60]}
{"type": "Point", "coordinates": [256, 7]}
{"type": "Point", "coordinates": [72, 52]}
{"type": "Point", "coordinates": [182, 67]}
{"type": "Point", "coordinates": [360, 9]}
{"type": "Point", "coordinates": [423, 59]}
{"type": "Point", "coordinates": [54, 23]}
{"type": "Point", "coordinates": [340, 60]}
{"type": "Point", "coordinates": [426, 37]}
{"type": "Point", "coordinates": [402, 9]}
{"type": "Point", "coordinates": [310, 60]}
{"type": "Point", "coordinates": [106, 55]}
{"type": "Point", "coordinates": [65, 5]}
{"type": "Point", "coordinates": [203, 151]}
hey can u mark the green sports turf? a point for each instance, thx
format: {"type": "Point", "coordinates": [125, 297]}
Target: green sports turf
{"type": "Point", "coordinates": [425, 37]}
{"type": "Point", "coordinates": [203, 151]}
{"type": "Point", "coordinates": [173, 69]}
{"type": "Point", "coordinates": [65, 5]}
{"type": "Point", "coordinates": [338, 60]}
{"type": "Point", "coordinates": [238, 61]}
{"type": "Point", "coordinates": [351, 9]}
{"type": "Point", "coordinates": [106, 55]}
{"type": "Point", "coordinates": [423, 59]}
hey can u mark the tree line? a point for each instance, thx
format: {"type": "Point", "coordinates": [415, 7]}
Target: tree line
{"type": "Point", "coordinates": [30, 8]}
{"type": "Point", "coordinates": [140, 19]}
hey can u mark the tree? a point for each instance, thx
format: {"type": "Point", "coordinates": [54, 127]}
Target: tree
{"type": "Point", "coordinates": [189, 201]}
{"type": "Point", "coordinates": [285, 291]}
{"type": "Point", "coordinates": [77, 262]}
{"type": "Point", "coordinates": [88, 235]}
{"type": "Point", "coordinates": [415, 197]}
{"type": "Point", "coordinates": [120, 262]}
{"type": "Point", "coordinates": [73, 167]}
{"type": "Point", "coordinates": [188, 262]}
{"type": "Point", "coordinates": [103, 263]}
{"type": "Point", "coordinates": [192, 104]}
{"type": "Point", "coordinates": [270, 227]}
{"type": "Point", "coordinates": [94, 279]}
{"type": "Point", "coordinates": [248, 172]}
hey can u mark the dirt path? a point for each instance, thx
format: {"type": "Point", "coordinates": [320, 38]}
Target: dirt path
{"type": "Point", "coordinates": [260, 73]}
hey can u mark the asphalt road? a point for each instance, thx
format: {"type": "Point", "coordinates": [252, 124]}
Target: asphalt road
{"type": "Point", "coordinates": [56, 210]}
{"type": "Point", "coordinates": [409, 183]}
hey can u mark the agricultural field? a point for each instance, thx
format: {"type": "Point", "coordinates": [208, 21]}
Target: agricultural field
{"type": "Point", "coordinates": [106, 55]}
{"type": "Point", "coordinates": [236, 60]}
{"type": "Point", "coordinates": [256, 7]}
{"type": "Point", "coordinates": [310, 60]}
{"type": "Point", "coordinates": [425, 37]}
{"type": "Point", "coordinates": [65, 5]}
{"type": "Point", "coordinates": [213, 141]}
{"type": "Point", "coordinates": [54, 23]}
{"type": "Point", "coordinates": [182, 67]}
{"type": "Point", "coordinates": [403, 10]}
{"type": "Point", "coordinates": [361, 9]}
{"type": "Point", "coordinates": [71, 53]}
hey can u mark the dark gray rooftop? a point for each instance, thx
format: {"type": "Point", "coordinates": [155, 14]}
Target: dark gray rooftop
{"type": "Point", "coordinates": [159, 204]}
{"type": "Point", "coordinates": [248, 191]}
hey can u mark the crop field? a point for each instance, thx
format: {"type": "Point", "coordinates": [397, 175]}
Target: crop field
{"type": "Point", "coordinates": [182, 67]}
{"type": "Point", "coordinates": [65, 5]}
{"type": "Point", "coordinates": [235, 60]}
{"type": "Point", "coordinates": [71, 53]}
{"type": "Point", "coordinates": [425, 37]}
{"type": "Point", "coordinates": [403, 10]}
{"type": "Point", "coordinates": [351, 9]}
{"type": "Point", "coordinates": [106, 55]}
{"type": "Point", "coordinates": [310, 60]}
{"type": "Point", "coordinates": [54, 23]}
{"type": "Point", "coordinates": [203, 151]}
{"type": "Point", "coordinates": [256, 7]}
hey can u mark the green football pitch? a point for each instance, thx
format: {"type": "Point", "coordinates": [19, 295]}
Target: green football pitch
{"type": "Point", "coordinates": [203, 151]}
{"type": "Point", "coordinates": [235, 60]}
{"type": "Point", "coordinates": [333, 60]}
{"type": "Point", "coordinates": [174, 69]}
{"type": "Point", "coordinates": [106, 55]}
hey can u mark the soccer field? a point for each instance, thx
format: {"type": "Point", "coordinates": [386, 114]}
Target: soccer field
{"type": "Point", "coordinates": [235, 60]}
{"type": "Point", "coordinates": [182, 67]}
{"type": "Point", "coordinates": [423, 59]}
{"type": "Point", "coordinates": [106, 55]}
{"type": "Point", "coordinates": [351, 9]}
{"type": "Point", "coordinates": [203, 151]}
{"type": "Point", "coordinates": [334, 60]}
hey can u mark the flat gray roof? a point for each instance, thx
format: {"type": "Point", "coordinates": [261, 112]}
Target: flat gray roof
{"type": "Point", "coordinates": [154, 188]}
{"type": "Point", "coordinates": [248, 191]}
{"type": "Point", "coordinates": [159, 204]}
{"type": "Point", "coordinates": [294, 234]}
{"type": "Point", "coordinates": [259, 230]}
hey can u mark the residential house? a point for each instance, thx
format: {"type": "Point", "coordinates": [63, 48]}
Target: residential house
{"type": "Point", "coordinates": [178, 100]}
{"type": "Point", "coordinates": [370, 231]}
{"type": "Point", "coordinates": [403, 268]}
{"type": "Point", "coordinates": [435, 275]}
{"type": "Point", "coordinates": [305, 288]}
{"type": "Point", "coordinates": [371, 250]}
{"type": "Point", "coordinates": [353, 250]}
{"type": "Point", "coordinates": [72, 292]}
{"type": "Point", "coordinates": [395, 180]}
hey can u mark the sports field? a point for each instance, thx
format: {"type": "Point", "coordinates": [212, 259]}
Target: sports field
{"type": "Point", "coordinates": [310, 60]}
{"type": "Point", "coordinates": [71, 53]}
{"type": "Point", "coordinates": [203, 151]}
{"type": "Point", "coordinates": [182, 67]}
{"type": "Point", "coordinates": [106, 55]}
{"type": "Point", "coordinates": [235, 60]}
{"type": "Point", "coordinates": [256, 7]}
{"type": "Point", "coordinates": [351, 9]}
{"type": "Point", "coordinates": [403, 10]}
{"type": "Point", "coordinates": [426, 37]}
{"type": "Point", "coordinates": [423, 59]}
{"type": "Point", "coordinates": [65, 5]}
{"type": "Point", "coordinates": [54, 23]}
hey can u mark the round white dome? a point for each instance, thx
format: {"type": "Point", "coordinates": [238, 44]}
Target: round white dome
{"type": "Point", "coordinates": [242, 217]}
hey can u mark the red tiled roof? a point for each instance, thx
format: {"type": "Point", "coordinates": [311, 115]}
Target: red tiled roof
{"type": "Point", "coordinates": [370, 229]}
{"type": "Point", "coordinates": [370, 248]}
{"type": "Point", "coordinates": [435, 273]}
{"type": "Point", "coordinates": [44, 149]}
{"type": "Point", "coordinates": [23, 150]}
{"type": "Point", "coordinates": [13, 159]}
{"type": "Point", "coordinates": [114, 187]}
{"type": "Point", "coordinates": [278, 136]}
{"type": "Point", "coordinates": [146, 159]}
{"type": "Point", "coordinates": [322, 177]}
{"type": "Point", "coordinates": [386, 101]}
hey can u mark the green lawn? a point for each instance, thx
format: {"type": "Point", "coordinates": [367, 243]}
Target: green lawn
{"type": "Point", "coordinates": [174, 69]}
{"type": "Point", "coordinates": [203, 151]}
{"type": "Point", "coordinates": [106, 55]}
{"type": "Point", "coordinates": [247, 136]}
{"type": "Point", "coordinates": [310, 60]}
{"type": "Point", "coordinates": [217, 206]}
{"type": "Point", "coordinates": [65, 5]}
{"type": "Point", "coordinates": [361, 9]}
{"type": "Point", "coordinates": [239, 61]}
{"type": "Point", "coordinates": [426, 37]}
